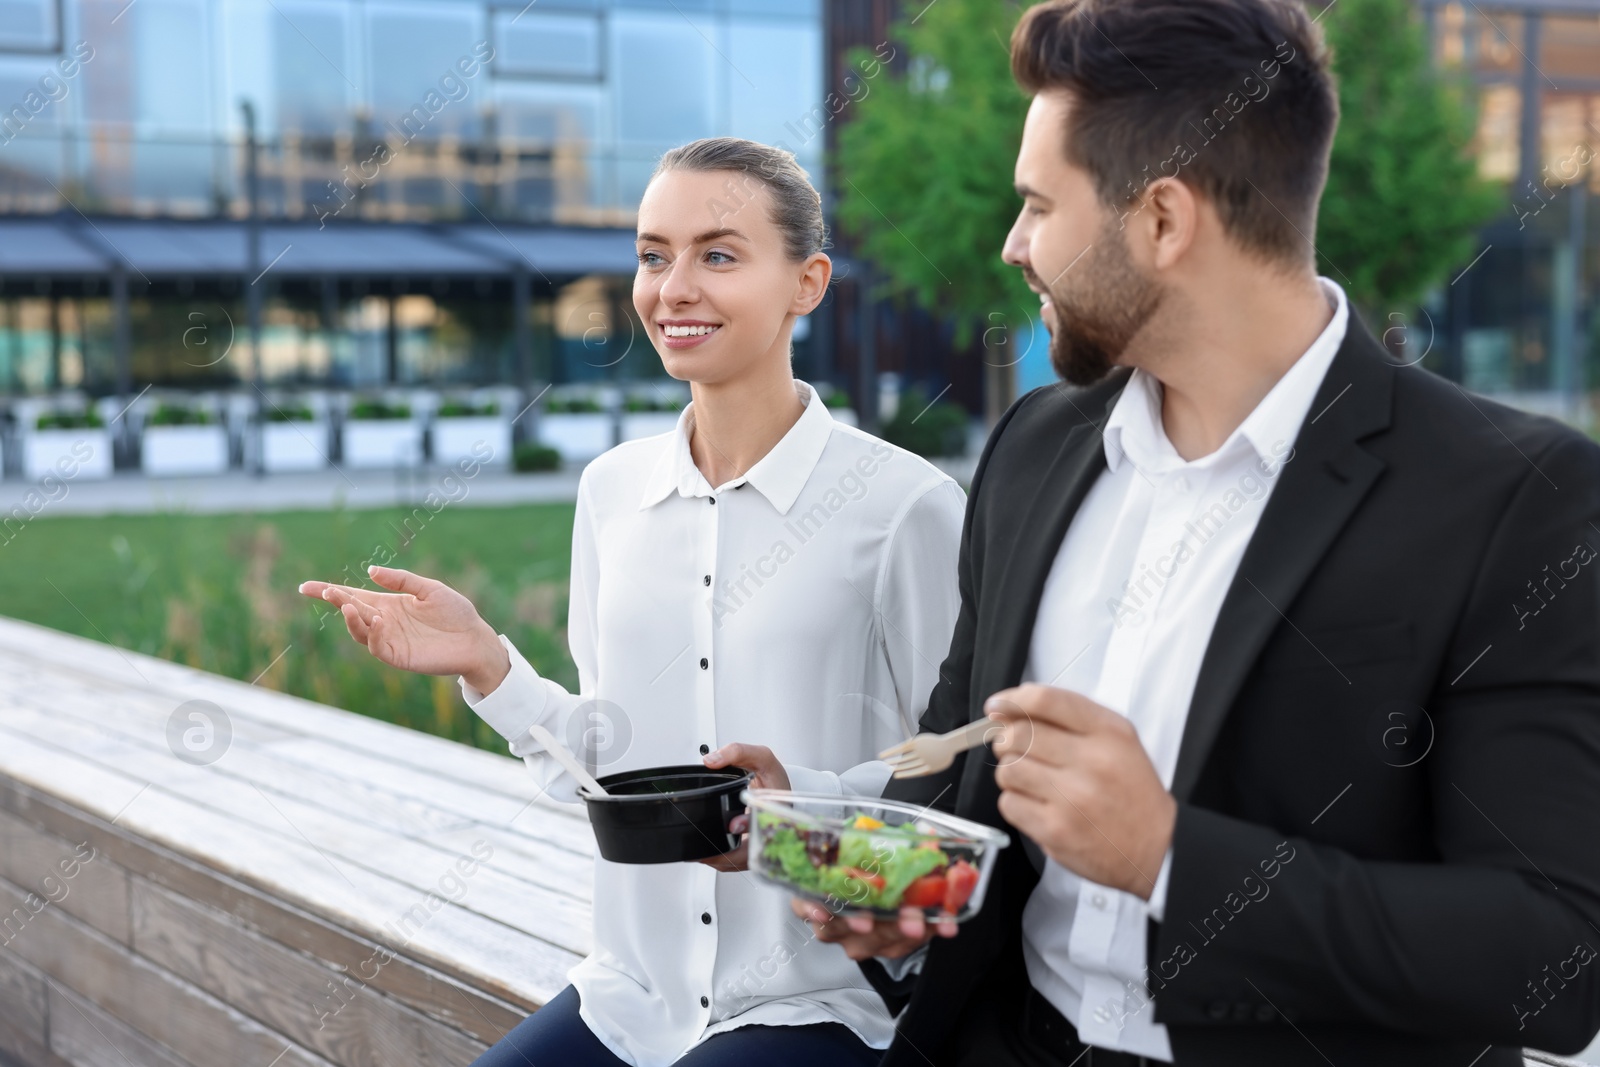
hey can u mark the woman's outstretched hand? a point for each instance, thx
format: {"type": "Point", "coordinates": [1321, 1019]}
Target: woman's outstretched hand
{"type": "Point", "coordinates": [769, 774]}
{"type": "Point", "coordinates": [423, 626]}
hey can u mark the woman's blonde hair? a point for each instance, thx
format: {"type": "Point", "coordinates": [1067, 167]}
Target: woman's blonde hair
{"type": "Point", "coordinates": [796, 207]}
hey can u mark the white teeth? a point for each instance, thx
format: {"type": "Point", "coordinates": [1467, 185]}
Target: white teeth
{"type": "Point", "coordinates": [688, 331]}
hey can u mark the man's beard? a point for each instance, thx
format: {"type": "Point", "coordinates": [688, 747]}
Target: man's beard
{"type": "Point", "coordinates": [1097, 317]}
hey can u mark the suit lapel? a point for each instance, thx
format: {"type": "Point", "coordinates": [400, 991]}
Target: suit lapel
{"type": "Point", "coordinates": [1066, 480]}
{"type": "Point", "coordinates": [1317, 492]}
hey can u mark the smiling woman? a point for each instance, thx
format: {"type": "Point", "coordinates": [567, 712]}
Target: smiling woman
{"type": "Point", "coordinates": [829, 659]}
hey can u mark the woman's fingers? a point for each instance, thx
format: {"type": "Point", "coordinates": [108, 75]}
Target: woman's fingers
{"type": "Point", "coordinates": [401, 581]}
{"type": "Point", "coordinates": [365, 601]}
{"type": "Point", "coordinates": [354, 623]}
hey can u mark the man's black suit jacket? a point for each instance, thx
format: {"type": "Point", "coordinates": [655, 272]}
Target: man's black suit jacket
{"type": "Point", "coordinates": [1401, 694]}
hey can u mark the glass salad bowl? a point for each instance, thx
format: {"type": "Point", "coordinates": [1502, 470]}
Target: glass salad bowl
{"type": "Point", "coordinates": [867, 854]}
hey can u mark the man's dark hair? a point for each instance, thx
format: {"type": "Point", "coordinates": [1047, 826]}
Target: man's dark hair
{"type": "Point", "coordinates": [1232, 96]}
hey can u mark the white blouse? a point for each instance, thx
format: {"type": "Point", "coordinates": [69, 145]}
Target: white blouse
{"type": "Point", "coordinates": [805, 606]}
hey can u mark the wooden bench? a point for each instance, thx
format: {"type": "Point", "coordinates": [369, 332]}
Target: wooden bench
{"type": "Point", "coordinates": [332, 890]}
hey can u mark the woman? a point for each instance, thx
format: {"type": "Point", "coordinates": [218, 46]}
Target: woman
{"type": "Point", "coordinates": [763, 575]}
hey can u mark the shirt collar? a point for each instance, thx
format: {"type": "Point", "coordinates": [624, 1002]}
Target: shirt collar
{"type": "Point", "coordinates": [779, 475]}
{"type": "Point", "coordinates": [1134, 429]}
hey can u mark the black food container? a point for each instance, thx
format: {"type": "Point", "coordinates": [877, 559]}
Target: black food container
{"type": "Point", "coordinates": [667, 814]}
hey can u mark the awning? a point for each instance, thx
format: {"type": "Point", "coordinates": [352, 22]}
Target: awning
{"type": "Point", "coordinates": [74, 245]}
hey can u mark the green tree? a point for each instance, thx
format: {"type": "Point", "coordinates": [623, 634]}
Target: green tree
{"type": "Point", "coordinates": [1404, 198]}
{"type": "Point", "coordinates": [923, 174]}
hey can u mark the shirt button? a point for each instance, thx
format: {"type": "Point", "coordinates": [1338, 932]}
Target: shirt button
{"type": "Point", "coordinates": [705, 1002]}
{"type": "Point", "coordinates": [1099, 901]}
{"type": "Point", "coordinates": [704, 663]}
{"type": "Point", "coordinates": [705, 750]}
{"type": "Point", "coordinates": [705, 917]}
{"type": "Point", "coordinates": [708, 579]}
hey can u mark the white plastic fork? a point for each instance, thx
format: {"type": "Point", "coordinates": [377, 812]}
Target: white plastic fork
{"type": "Point", "coordinates": [565, 757]}
{"type": "Point", "coordinates": [932, 753]}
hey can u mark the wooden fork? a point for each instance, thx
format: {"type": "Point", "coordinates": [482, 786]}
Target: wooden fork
{"type": "Point", "coordinates": [932, 753]}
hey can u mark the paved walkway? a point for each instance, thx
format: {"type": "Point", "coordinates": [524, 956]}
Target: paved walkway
{"type": "Point", "coordinates": [131, 492]}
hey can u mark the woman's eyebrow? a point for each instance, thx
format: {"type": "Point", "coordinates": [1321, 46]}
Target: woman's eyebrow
{"type": "Point", "coordinates": [709, 235]}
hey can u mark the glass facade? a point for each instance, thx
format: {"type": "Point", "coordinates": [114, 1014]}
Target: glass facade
{"type": "Point", "coordinates": [433, 112]}
{"type": "Point", "coordinates": [1524, 320]}
{"type": "Point", "coordinates": [390, 109]}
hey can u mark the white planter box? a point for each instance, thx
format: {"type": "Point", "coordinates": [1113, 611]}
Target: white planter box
{"type": "Point", "coordinates": [382, 443]}
{"type": "Point", "coordinates": [455, 438]}
{"type": "Point", "coordinates": [637, 424]}
{"type": "Point", "coordinates": [84, 453]}
{"type": "Point", "coordinates": [576, 435]}
{"type": "Point", "coordinates": [293, 446]}
{"type": "Point", "coordinates": [184, 450]}
{"type": "Point", "coordinates": [846, 416]}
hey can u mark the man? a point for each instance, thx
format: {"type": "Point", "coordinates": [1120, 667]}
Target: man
{"type": "Point", "coordinates": [1296, 651]}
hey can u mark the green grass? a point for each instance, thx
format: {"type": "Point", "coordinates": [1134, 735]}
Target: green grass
{"type": "Point", "coordinates": [218, 592]}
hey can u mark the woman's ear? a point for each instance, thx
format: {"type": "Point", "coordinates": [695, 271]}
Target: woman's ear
{"type": "Point", "coordinates": [815, 274]}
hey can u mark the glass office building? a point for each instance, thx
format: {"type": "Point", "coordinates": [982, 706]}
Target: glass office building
{"type": "Point", "coordinates": [1525, 319]}
{"type": "Point", "coordinates": [413, 158]}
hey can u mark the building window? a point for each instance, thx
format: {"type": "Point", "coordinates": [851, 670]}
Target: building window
{"type": "Point", "coordinates": [30, 26]}
{"type": "Point", "coordinates": [541, 45]}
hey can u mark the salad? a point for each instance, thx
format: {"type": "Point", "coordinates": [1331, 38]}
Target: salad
{"type": "Point", "coordinates": [867, 864]}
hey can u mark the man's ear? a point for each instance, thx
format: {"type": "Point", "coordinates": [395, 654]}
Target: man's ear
{"type": "Point", "coordinates": [1165, 228]}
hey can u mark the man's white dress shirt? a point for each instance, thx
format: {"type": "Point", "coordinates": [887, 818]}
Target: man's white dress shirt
{"type": "Point", "coordinates": [805, 606]}
{"type": "Point", "coordinates": [1126, 615]}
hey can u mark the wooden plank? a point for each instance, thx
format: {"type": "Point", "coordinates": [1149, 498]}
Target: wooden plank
{"type": "Point", "coordinates": [32, 648]}
{"type": "Point", "coordinates": [97, 892]}
{"type": "Point", "coordinates": [448, 993]}
{"type": "Point", "coordinates": [521, 855]}
{"type": "Point", "coordinates": [483, 805]}
{"type": "Point", "coordinates": [486, 953]}
{"type": "Point", "coordinates": [24, 1017]}
{"type": "Point", "coordinates": [169, 1011]}
{"type": "Point", "coordinates": [330, 1012]}
{"type": "Point", "coordinates": [269, 823]}
{"type": "Point", "coordinates": [88, 1037]}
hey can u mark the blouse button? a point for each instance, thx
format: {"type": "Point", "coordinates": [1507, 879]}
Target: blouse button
{"type": "Point", "coordinates": [705, 1002]}
{"type": "Point", "coordinates": [708, 579]}
{"type": "Point", "coordinates": [705, 917]}
{"type": "Point", "coordinates": [713, 502]}
{"type": "Point", "coordinates": [705, 750]}
{"type": "Point", "coordinates": [704, 663]}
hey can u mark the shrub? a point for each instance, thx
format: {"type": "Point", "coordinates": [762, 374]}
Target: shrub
{"type": "Point", "coordinates": [530, 456]}
{"type": "Point", "coordinates": [837, 398]}
{"type": "Point", "coordinates": [178, 415]}
{"type": "Point", "coordinates": [928, 430]}
{"type": "Point", "coordinates": [651, 403]}
{"type": "Point", "coordinates": [70, 420]}
{"type": "Point", "coordinates": [292, 412]}
{"type": "Point", "coordinates": [373, 408]}
{"type": "Point", "coordinates": [572, 405]}
{"type": "Point", "coordinates": [457, 409]}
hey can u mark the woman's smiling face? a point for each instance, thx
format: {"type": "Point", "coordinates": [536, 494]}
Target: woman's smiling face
{"type": "Point", "coordinates": [716, 289]}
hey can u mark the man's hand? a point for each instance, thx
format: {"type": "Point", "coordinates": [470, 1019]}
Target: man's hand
{"type": "Point", "coordinates": [1074, 777]}
{"type": "Point", "coordinates": [769, 774]}
{"type": "Point", "coordinates": [863, 937]}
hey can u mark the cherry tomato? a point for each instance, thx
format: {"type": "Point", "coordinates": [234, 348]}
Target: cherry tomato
{"type": "Point", "coordinates": [874, 880]}
{"type": "Point", "coordinates": [926, 892]}
{"type": "Point", "coordinates": [960, 881]}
